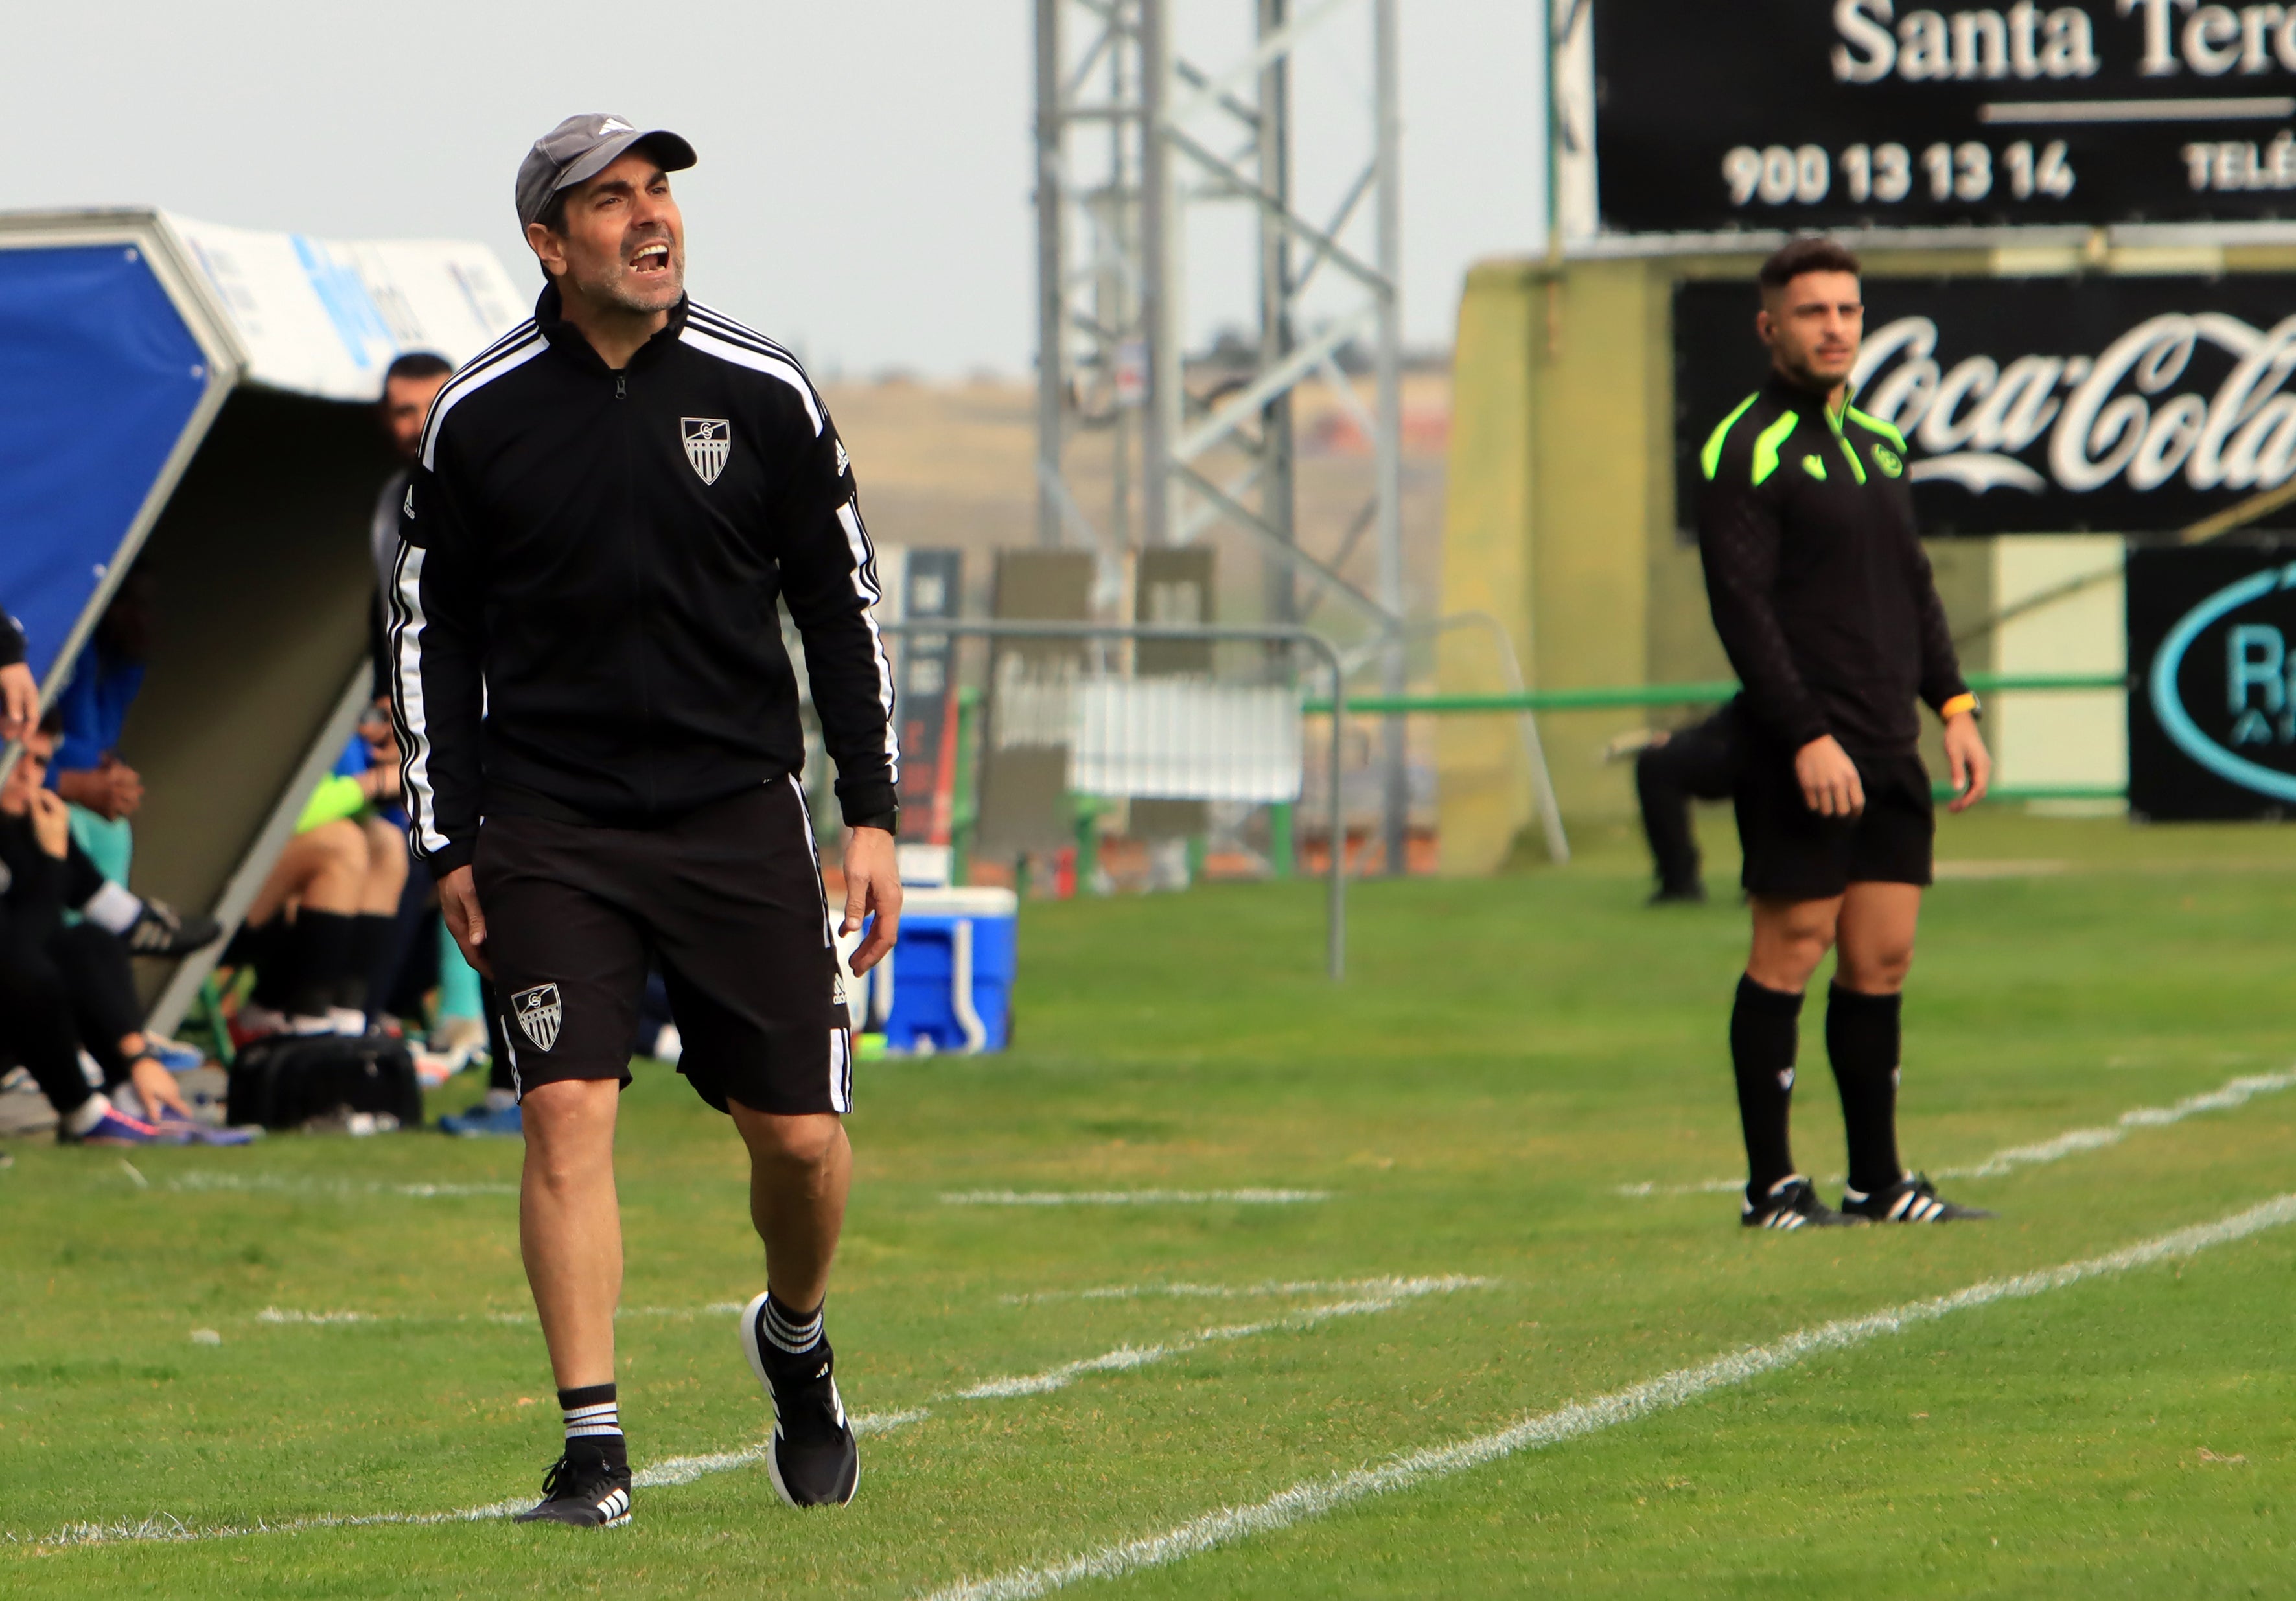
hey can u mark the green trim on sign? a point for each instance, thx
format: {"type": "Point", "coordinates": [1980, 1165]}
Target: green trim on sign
{"type": "Point", "coordinates": [1711, 457]}
{"type": "Point", "coordinates": [1766, 446]}
{"type": "Point", "coordinates": [1888, 431]}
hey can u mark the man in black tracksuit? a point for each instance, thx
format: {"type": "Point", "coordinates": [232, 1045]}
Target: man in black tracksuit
{"type": "Point", "coordinates": [601, 744]}
{"type": "Point", "coordinates": [1825, 603]}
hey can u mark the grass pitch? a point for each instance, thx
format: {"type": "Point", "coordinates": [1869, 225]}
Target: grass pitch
{"type": "Point", "coordinates": [1460, 1118]}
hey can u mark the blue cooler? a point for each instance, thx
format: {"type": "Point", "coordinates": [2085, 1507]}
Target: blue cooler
{"type": "Point", "coordinates": [950, 972]}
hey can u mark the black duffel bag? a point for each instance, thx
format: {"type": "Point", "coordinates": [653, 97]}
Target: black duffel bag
{"type": "Point", "coordinates": [280, 1081]}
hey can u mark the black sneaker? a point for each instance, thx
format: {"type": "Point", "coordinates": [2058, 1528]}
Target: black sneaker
{"type": "Point", "coordinates": [815, 1462]}
{"type": "Point", "coordinates": [1691, 893]}
{"type": "Point", "coordinates": [160, 930]}
{"type": "Point", "coordinates": [583, 1490]}
{"type": "Point", "coordinates": [1791, 1203]}
{"type": "Point", "coordinates": [1912, 1199]}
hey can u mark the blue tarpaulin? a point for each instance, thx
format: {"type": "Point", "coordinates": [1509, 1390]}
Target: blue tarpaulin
{"type": "Point", "coordinates": [99, 380]}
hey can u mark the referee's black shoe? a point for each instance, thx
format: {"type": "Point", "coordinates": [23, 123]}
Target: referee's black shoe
{"type": "Point", "coordinates": [585, 1489]}
{"type": "Point", "coordinates": [814, 1460]}
{"type": "Point", "coordinates": [1791, 1203]}
{"type": "Point", "coordinates": [1912, 1199]}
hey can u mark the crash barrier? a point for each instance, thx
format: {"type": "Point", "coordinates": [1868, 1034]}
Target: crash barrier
{"type": "Point", "coordinates": [1134, 734]}
{"type": "Point", "coordinates": [1714, 694]}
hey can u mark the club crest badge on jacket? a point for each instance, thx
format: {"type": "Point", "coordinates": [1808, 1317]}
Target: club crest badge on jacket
{"type": "Point", "coordinates": [708, 442]}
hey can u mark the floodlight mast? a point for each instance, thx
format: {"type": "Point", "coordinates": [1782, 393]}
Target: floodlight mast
{"type": "Point", "coordinates": [1130, 135]}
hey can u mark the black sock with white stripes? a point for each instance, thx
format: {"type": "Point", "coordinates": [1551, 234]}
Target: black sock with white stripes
{"type": "Point", "coordinates": [1862, 1038]}
{"type": "Point", "coordinates": [1765, 1034]}
{"type": "Point", "coordinates": [793, 1342]}
{"type": "Point", "coordinates": [593, 1423]}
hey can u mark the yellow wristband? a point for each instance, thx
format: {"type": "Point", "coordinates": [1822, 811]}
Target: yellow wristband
{"type": "Point", "coordinates": [1962, 702]}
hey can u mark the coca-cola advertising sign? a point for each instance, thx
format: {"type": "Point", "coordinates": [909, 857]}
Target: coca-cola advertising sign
{"type": "Point", "coordinates": [2041, 405]}
{"type": "Point", "coordinates": [2212, 664]}
{"type": "Point", "coordinates": [1890, 113]}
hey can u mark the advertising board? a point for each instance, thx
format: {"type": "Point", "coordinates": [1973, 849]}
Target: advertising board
{"type": "Point", "coordinates": [2212, 697]}
{"type": "Point", "coordinates": [2113, 405]}
{"type": "Point", "coordinates": [1829, 113]}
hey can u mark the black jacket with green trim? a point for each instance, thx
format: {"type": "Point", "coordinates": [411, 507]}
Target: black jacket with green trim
{"type": "Point", "coordinates": [1816, 574]}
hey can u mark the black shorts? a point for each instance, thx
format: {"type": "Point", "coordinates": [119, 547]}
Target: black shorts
{"type": "Point", "coordinates": [1792, 854]}
{"type": "Point", "coordinates": [727, 900]}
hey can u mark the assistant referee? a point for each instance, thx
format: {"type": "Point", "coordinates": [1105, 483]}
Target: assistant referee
{"type": "Point", "coordinates": [1825, 603]}
{"type": "Point", "coordinates": [602, 751]}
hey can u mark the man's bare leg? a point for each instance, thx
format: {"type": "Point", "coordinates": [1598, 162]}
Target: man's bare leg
{"type": "Point", "coordinates": [800, 1169]}
{"type": "Point", "coordinates": [324, 869]}
{"type": "Point", "coordinates": [1790, 938]}
{"type": "Point", "coordinates": [1875, 931]}
{"type": "Point", "coordinates": [570, 1225]}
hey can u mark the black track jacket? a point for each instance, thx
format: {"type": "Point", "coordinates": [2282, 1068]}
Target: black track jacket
{"type": "Point", "coordinates": [582, 616]}
{"type": "Point", "coordinates": [1818, 583]}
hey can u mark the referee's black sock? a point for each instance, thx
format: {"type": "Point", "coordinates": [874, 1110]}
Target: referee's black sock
{"type": "Point", "coordinates": [1765, 1032]}
{"type": "Point", "coordinates": [593, 1423]}
{"type": "Point", "coordinates": [1861, 1037]}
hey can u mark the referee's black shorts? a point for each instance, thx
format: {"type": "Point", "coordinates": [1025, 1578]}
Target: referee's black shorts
{"type": "Point", "coordinates": [1792, 854]}
{"type": "Point", "coordinates": [726, 899]}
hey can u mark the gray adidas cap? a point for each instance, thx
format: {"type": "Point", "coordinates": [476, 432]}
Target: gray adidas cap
{"type": "Point", "coordinates": [582, 147]}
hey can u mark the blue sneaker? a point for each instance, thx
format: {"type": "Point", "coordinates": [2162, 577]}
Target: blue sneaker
{"type": "Point", "coordinates": [479, 1123]}
{"type": "Point", "coordinates": [176, 1129]}
{"type": "Point", "coordinates": [115, 1127]}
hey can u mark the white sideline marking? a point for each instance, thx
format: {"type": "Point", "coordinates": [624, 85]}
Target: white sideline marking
{"type": "Point", "coordinates": [676, 1470]}
{"type": "Point", "coordinates": [686, 1470]}
{"type": "Point", "coordinates": [1314, 1497]}
{"type": "Point", "coordinates": [1132, 1197]}
{"type": "Point", "coordinates": [1124, 1358]}
{"type": "Point", "coordinates": [2239, 1092]}
{"type": "Point", "coordinates": [198, 1181]}
{"type": "Point", "coordinates": [279, 1315]}
{"type": "Point", "coordinates": [1222, 1292]}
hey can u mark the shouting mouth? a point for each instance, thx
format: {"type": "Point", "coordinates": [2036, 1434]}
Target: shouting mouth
{"type": "Point", "coordinates": [651, 259]}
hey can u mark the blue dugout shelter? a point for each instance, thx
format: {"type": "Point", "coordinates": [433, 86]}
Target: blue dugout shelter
{"type": "Point", "coordinates": [199, 398]}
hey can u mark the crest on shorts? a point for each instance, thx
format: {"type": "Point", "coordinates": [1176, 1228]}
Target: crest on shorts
{"type": "Point", "coordinates": [538, 1014]}
{"type": "Point", "coordinates": [708, 442]}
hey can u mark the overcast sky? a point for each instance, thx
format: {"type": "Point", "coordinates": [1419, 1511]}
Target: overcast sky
{"type": "Point", "coordinates": [865, 166]}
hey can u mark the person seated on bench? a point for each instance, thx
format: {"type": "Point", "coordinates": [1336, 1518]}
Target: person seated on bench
{"type": "Point", "coordinates": [63, 989]}
{"type": "Point", "coordinates": [315, 928]}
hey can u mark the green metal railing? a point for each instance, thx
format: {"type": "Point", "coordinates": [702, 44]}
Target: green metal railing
{"type": "Point", "coordinates": [1666, 694]}
{"type": "Point", "coordinates": [1714, 694]}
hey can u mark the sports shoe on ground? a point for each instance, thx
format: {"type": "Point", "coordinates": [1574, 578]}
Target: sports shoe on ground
{"type": "Point", "coordinates": [1791, 1203]}
{"type": "Point", "coordinates": [176, 1129]}
{"type": "Point", "coordinates": [113, 1127]}
{"type": "Point", "coordinates": [583, 1490]}
{"type": "Point", "coordinates": [479, 1123]}
{"type": "Point", "coordinates": [814, 1460]}
{"type": "Point", "coordinates": [1691, 894]}
{"type": "Point", "coordinates": [1912, 1199]}
{"type": "Point", "coordinates": [160, 930]}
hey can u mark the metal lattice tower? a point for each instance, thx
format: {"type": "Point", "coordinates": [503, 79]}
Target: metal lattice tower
{"type": "Point", "coordinates": [1134, 136]}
